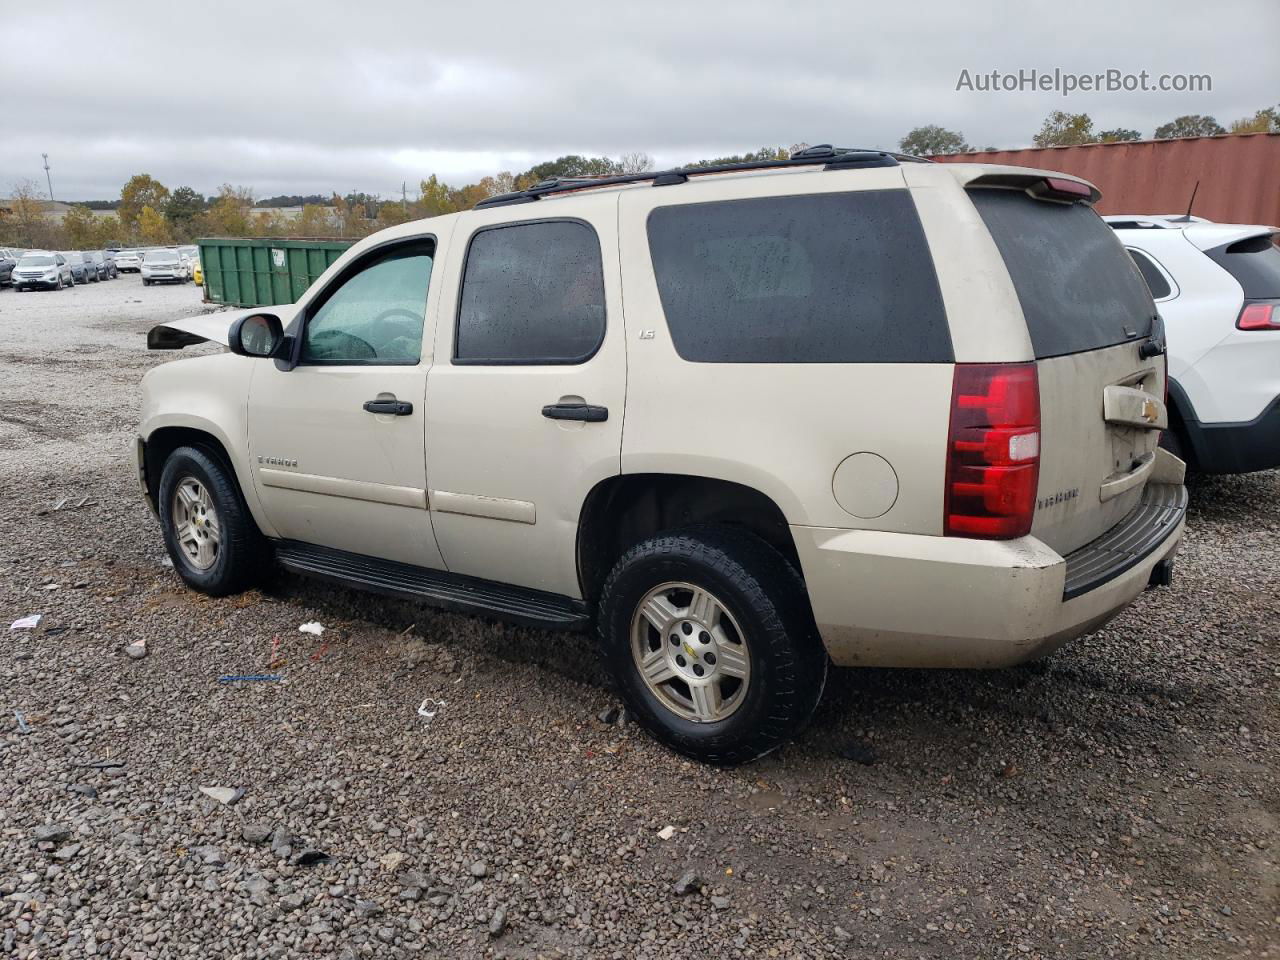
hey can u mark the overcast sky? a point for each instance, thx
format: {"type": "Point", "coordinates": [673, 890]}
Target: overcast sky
{"type": "Point", "coordinates": [326, 96]}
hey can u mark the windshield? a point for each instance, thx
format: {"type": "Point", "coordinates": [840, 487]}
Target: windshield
{"type": "Point", "coordinates": [161, 257]}
{"type": "Point", "coordinates": [40, 261]}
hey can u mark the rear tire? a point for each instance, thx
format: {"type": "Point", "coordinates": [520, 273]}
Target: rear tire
{"type": "Point", "coordinates": [737, 668]}
{"type": "Point", "coordinates": [211, 537]}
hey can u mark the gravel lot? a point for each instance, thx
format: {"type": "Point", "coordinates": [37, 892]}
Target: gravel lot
{"type": "Point", "coordinates": [1117, 800]}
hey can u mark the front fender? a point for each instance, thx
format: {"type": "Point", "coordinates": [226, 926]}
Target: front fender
{"type": "Point", "coordinates": [207, 394]}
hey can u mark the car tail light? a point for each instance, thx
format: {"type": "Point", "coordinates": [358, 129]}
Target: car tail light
{"type": "Point", "coordinates": [1259, 316]}
{"type": "Point", "coordinates": [993, 451]}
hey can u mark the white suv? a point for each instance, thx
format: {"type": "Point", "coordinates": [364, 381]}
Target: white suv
{"type": "Point", "coordinates": [1217, 286]}
{"type": "Point", "coordinates": [742, 419]}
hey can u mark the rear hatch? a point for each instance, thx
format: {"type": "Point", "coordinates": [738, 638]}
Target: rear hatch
{"type": "Point", "coordinates": [1088, 313]}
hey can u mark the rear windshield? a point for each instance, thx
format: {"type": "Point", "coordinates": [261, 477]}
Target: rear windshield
{"type": "Point", "coordinates": [829, 278]}
{"type": "Point", "coordinates": [1255, 263]}
{"type": "Point", "coordinates": [1078, 288]}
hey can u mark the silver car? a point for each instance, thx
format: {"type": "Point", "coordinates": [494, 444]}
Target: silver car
{"type": "Point", "coordinates": [42, 269]}
{"type": "Point", "coordinates": [163, 266]}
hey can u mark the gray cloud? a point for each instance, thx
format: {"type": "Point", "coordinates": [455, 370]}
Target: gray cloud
{"type": "Point", "coordinates": [340, 96]}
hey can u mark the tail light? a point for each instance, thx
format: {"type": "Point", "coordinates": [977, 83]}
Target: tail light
{"type": "Point", "coordinates": [1259, 316]}
{"type": "Point", "coordinates": [993, 451]}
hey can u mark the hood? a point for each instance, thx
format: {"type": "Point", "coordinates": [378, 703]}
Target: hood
{"type": "Point", "coordinates": [208, 327]}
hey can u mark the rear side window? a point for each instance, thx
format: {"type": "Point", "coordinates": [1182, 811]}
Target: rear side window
{"type": "Point", "coordinates": [1156, 282]}
{"type": "Point", "coordinates": [1255, 263]}
{"type": "Point", "coordinates": [828, 278]}
{"type": "Point", "coordinates": [531, 293]}
{"type": "Point", "coordinates": [1077, 288]}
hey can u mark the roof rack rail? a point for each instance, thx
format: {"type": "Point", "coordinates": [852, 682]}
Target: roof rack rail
{"type": "Point", "coordinates": [831, 158]}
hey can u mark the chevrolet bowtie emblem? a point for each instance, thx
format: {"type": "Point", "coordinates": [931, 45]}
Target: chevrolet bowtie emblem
{"type": "Point", "coordinates": [1150, 412]}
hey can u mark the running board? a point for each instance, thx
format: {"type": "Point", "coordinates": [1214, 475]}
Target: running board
{"type": "Point", "coordinates": [451, 591]}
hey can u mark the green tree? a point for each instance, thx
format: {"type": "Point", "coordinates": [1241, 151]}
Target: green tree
{"type": "Point", "coordinates": [1264, 121]}
{"type": "Point", "coordinates": [435, 198]}
{"type": "Point", "coordinates": [1191, 125]}
{"type": "Point", "coordinates": [142, 190]}
{"type": "Point", "coordinates": [757, 156]}
{"type": "Point", "coordinates": [932, 141]}
{"type": "Point", "coordinates": [1118, 134]}
{"type": "Point", "coordinates": [568, 167]}
{"type": "Point", "coordinates": [152, 226]}
{"type": "Point", "coordinates": [181, 210]}
{"type": "Point", "coordinates": [1062, 129]}
{"type": "Point", "coordinates": [314, 221]}
{"type": "Point", "coordinates": [108, 233]}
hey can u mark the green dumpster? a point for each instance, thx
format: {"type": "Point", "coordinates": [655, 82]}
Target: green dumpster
{"type": "Point", "coordinates": [257, 272]}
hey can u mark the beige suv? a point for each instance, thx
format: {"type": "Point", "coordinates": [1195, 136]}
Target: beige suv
{"type": "Point", "coordinates": [744, 420]}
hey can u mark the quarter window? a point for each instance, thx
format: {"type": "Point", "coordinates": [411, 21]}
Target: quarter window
{"type": "Point", "coordinates": [531, 293]}
{"type": "Point", "coordinates": [1156, 282]}
{"type": "Point", "coordinates": [826, 278]}
{"type": "Point", "coordinates": [376, 315]}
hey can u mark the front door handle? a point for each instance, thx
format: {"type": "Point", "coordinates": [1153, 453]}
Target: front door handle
{"type": "Point", "coordinates": [397, 408]}
{"type": "Point", "coordinates": [588, 412]}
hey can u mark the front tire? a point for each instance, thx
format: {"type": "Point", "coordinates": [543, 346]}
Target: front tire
{"type": "Point", "coordinates": [710, 640]}
{"type": "Point", "coordinates": [212, 539]}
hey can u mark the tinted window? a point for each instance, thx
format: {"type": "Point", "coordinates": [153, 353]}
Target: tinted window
{"type": "Point", "coordinates": [1255, 263]}
{"type": "Point", "coordinates": [830, 278]}
{"type": "Point", "coordinates": [376, 315]}
{"type": "Point", "coordinates": [531, 293]}
{"type": "Point", "coordinates": [1156, 282]}
{"type": "Point", "coordinates": [1077, 288]}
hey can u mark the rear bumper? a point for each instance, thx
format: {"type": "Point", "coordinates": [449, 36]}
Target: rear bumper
{"type": "Point", "coordinates": [1237, 447]}
{"type": "Point", "coordinates": [900, 600]}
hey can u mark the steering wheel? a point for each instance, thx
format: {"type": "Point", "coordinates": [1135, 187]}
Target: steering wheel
{"type": "Point", "coordinates": [339, 343]}
{"type": "Point", "coordinates": [395, 322]}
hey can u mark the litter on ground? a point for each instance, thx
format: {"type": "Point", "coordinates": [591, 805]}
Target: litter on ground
{"type": "Point", "coordinates": [430, 708]}
{"type": "Point", "coordinates": [312, 627]}
{"type": "Point", "coordinates": [26, 623]}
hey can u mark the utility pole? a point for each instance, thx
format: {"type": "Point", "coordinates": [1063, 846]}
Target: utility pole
{"type": "Point", "coordinates": [46, 175]}
{"type": "Point", "coordinates": [404, 197]}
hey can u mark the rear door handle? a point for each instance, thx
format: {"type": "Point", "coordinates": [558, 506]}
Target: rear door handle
{"type": "Point", "coordinates": [576, 411]}
{"type": "Point", "coordinates": [397, 408]}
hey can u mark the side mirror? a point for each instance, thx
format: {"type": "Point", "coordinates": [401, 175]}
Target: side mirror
{"type": "Point", "coordinates": [257, 335]}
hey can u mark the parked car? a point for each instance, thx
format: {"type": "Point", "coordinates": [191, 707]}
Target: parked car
{"type": "Point", "coordinates": [7, 262]}
{"type": "Point", "coordinates": [197, 272]}
{"type": "Point", "coordinates": [878, 413]}
{"type": "Point", "coordinates": [82, 270]}
{"type": "Point", "coordinates": [1217, 286]}
{"type": "Point", "coordinates": [129, 261]}
{"type": "Point", "coordinates": [163, 266]}
{"type": "Point", "coordinates": [42, 268]}
{"type": "Point", "coordinates": [104, 269]}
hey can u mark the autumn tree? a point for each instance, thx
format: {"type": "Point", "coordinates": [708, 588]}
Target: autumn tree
{"type": "Point", "coordinates": [152, 226]}
{"type": "Point", "coordinates": [1062, 129]}
{"type": "Point", "coordinates": [81, 226]}
{"type": "Point", "coordinates": [1191, 125]}
{"type": "Point", "coordinates": [314, 221]}
{"type": "Point", "coordinates": [142, 190]}
{"type": "Point", "coordinates": [1264, 121]}
{"type": "Point", "coordinates": [28, 221]}
{"type": "Point", "coordinates": [1118, 134]}
{"type": "Point", "coordinates": [498, 183]}
{"type": "Point", "coordinates": [933, 140]}
{"type": "Point", "coordinates": [229, 214]}
{"type": "Point", "coordinates": [435, 197]}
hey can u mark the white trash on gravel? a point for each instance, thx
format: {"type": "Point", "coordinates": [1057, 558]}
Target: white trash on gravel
{"type": "Point", "coordinates": [429, 708]}
{"type": "Point", "coordinates": [26, 623]}
{"type": "Point", "coordinates": [313, 627]}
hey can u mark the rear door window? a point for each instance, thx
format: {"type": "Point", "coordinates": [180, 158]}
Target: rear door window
{"type": "Point", "coordinates": [1255, 263]}
{"type": "Point", "coordinates": [1078, 289]}
{"type": "Point", "coordinates": [1152, 274]}
{"type": "Point", "coordinates": [826, 278]}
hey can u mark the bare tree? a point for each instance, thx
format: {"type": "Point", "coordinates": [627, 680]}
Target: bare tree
{"type": "Point", "coordinates": [638, 162]}
{"type": "Point", "coordinates": [28, 217]}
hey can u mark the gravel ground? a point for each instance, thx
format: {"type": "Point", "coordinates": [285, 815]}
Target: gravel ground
{"type": "Point", "coordinates": [1117, 800]}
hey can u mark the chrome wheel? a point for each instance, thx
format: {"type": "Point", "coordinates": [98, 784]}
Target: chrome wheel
{"type": "Point", "coordinates": [195, 523]}
{"type": "Point", "coordinates": [690, 652]}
